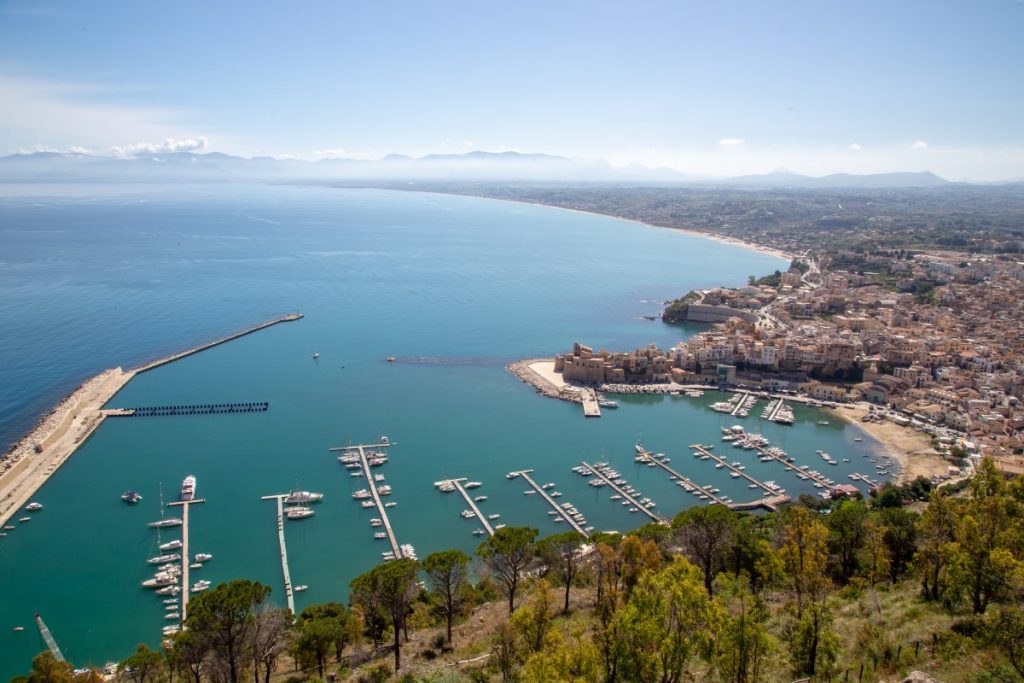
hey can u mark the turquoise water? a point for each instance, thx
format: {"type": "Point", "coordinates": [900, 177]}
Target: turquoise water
{"type": "Point", "coordinates": [455, 287]}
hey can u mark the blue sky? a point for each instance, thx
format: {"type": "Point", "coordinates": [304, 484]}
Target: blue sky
{"type": "Point", "coordinates": [720, 87]}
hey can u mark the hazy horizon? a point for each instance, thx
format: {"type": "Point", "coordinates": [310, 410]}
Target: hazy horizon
{"type": "Point", "coordinates": [728, 89]}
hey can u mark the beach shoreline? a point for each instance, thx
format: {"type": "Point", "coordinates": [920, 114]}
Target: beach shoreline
{"type": "Point", "coordinates": [723, 239]}
{"type": "Point", "coordinates": [910, 448]}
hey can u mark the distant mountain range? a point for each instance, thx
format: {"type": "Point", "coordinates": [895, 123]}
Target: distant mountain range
{"type": "Point", "coordinates": [473, 166]}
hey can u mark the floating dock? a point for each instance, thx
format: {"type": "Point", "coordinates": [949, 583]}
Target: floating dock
{"type": "Point", "coordinates": [773, 497]}
{"type": "Point", "coordinates": [740, 403]}
{"type": "Point", "coordinates": [372, 485]}
{"type": "Point", "coordinates": [288, 593]}
{"type": "Point", "coordinates": [525, 474]}
{"type": "Point", "coordinates": [817, 478]}
{"type": "Point", "coordinates": [217, 342]}
{"type": "Point", "coordinates": [619, 490]}
{"type": "Point", "coordinates": [591, 408]}
{"type": "Point", "coordinates": [775, 411]}
{"type": "Point", "coordinates": [457, 483]}
{"type": "Point", "coordinates": [200, 409]}
{"type": "Point", "coordinates": [689, 482]}
{"type": "Point", "coordinates": [185, 505]}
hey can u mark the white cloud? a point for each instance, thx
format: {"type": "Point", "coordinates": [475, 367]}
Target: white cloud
{"type": "Point", "coordinates": [856, 147]}
{"type": "Point", "coordinates": [169, 145]}
{"type": "Point", "coordinates": [731, 142]}
{"type": "Point", "coordinates": [919, 144]}
{"type": "Point", "coordinates": [60, 115]}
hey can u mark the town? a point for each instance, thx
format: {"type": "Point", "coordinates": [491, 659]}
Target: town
{"type": "Point", "coordinates": [928, 338]}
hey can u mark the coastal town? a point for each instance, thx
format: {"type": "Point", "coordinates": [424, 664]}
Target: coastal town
{"type": "Point", "coordinates": [905, 342]}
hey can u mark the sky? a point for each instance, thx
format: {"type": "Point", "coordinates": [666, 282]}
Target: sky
{"type": "Point", "coordinates": [717, 88]}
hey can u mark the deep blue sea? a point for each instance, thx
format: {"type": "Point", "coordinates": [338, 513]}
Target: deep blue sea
{"type": "Point", "coordinates": [93, 277]}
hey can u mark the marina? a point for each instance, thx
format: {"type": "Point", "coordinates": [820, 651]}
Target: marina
{"type": "Point", "coordinates": [638, 505]}
{"type": "Point", "coordinates": [288, 592]}
{"type": "Point", "coordinates": [397, 551]}
{"type": "Point", "coordinates": [185, 562]}
{"type": "Point", "coordinates": [702, 492]}
{"type": "Point", "coordinates": [447, 485]}
{"type": "Point", "coordinates": [562, 512]}
{"type": "Point", "coordinates": [774, 496]}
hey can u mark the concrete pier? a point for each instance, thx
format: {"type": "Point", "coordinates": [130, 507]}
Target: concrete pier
{"type": "Point", "coordinates": [185, 561]}
{"type": "Point", "coordinates": [457, 483]}
{"type": "Point", "coordinates": [619, 490]}
{"type": "Point", "coordinates": [288, 592]}
{"type": "Point", "coordinates": [216, 342]}
{"type": "Point", "coordinates": [525, 474]}
{"type": "Point", "coordinates": [591, 408]}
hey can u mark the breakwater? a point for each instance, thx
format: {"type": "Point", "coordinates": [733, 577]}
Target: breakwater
{"type": "Point", "coordinates": [41, 452]}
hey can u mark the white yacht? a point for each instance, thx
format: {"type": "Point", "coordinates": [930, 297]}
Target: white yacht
{"type": "Point", "coordinates": [170, 545]}
{"type": "Point", "coordinates": [302, 497]}
{"type": "Point", "coordinates": [203, 557]}
{"type": "Point", "coordinates": [188, 487]}
{"type": "Point", "coordinates": [164, 523]}
{"type": "Point", "coordinates": [298, 512]}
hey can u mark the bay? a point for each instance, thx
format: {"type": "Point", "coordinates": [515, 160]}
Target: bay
{"type": "Point", "coordinates": [94, 277]}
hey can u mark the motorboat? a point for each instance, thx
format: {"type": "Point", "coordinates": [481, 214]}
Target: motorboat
{"type": "Point", "coordinates": [299, 589]}
{"type": "Point", "coordinates": [33, 506]}
{"type": "Point", "coordinates": [188, 487]}
{"type": "Point", "coordinates": [368, 504]}
{"type": "Point", "coordinates": [131, 497]}
{"type": "Point", "coordinates": [170, 545]}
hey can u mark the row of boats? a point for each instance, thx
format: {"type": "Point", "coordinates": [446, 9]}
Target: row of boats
{"type": "Point", "coordinates": [630, 498]}
{"type": "Point", "coordinates": [449, 486]}
{"type": "Point", "coordinates": [352, 459]}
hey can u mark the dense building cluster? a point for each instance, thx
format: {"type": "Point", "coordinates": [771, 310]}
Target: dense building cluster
{"type": "Point", "coordinates": [932, 336]}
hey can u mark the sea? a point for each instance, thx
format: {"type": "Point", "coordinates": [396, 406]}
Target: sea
{"type": "Point", "coordinates": [454, 288]}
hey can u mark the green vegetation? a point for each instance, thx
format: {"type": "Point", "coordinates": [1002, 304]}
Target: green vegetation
{"type": "Point", "coordinates": [849, 590]}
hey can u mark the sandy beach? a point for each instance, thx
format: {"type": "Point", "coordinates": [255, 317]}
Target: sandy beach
{"type": "Point", "coordinates": [912, 449]}
{"type": "Point", "coordinates": [771, 251]}
{"type": "Point", "coordinates": [24, 470]}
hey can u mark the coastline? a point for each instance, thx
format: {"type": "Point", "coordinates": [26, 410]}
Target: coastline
{"type": "Point", "coordinates": [58, 434]}
{"type": "Point", "coordinates": [33, 459]}
{"type": "Point", "coordinates": [723, 239]}
{"type": "Point", "coordinates": [911, 449]}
